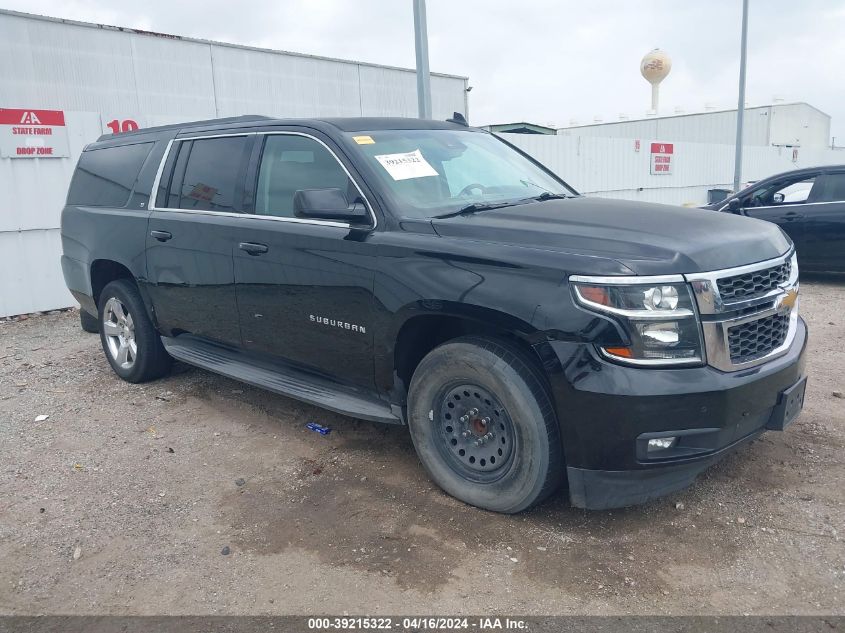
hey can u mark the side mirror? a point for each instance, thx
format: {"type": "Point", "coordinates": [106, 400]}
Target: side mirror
{"type": "Point", "coordinates": [734, 205]}
{"type": "Point", "coordinates": [778, 198]}
{"type": "Point", "coordinates": [328, 204]}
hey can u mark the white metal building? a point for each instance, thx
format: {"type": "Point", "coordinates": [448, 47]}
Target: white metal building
{"type": "Point", "coordinates": [104, 78]}
{"type": "Point", "coordinates": [623, 168]}
{"type": "Point", "coordinates": [779, 124]}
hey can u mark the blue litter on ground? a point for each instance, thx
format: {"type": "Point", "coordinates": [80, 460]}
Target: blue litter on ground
{"type": "Point", "coordinates": [319, 428]}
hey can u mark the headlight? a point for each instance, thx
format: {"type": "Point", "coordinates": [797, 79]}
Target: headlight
{"type": "Point", "coordinates": [657, 314]}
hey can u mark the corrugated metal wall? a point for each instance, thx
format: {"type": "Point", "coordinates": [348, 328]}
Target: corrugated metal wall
{"type": "Point", "coordinates": [99, 74]}
{"type": "Point", "coordinates": [611, 167]}
{"type": "Point", "coordinates": [33, 194]}
{"type": "Point", "coordinates": [779, 124]}
{"type": "Point", "coordinates": [120, 73]}
{"type": "Point", "coordinates": [799, 124]}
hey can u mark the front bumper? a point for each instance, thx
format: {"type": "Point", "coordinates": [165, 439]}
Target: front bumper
{"type": "Point", "coordinates": [604, 409]}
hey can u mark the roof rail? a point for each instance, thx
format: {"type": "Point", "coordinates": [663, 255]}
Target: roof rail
{"type": "Point", "coordinates": [244, 118]}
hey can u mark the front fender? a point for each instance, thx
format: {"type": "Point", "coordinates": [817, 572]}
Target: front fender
{"type": "Point", "coordinates": [519, 290]}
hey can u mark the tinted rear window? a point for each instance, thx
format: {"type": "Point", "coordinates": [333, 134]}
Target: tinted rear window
{"type": "Point", "coordinates": [834, 190]}
{"type": "Point", "coordinates": [105, 177]}
{"type": "Point", "coordinates": [213, 173]}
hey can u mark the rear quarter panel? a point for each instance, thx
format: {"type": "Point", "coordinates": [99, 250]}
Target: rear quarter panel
{"type": "Point", "coordinates": [90, 233]}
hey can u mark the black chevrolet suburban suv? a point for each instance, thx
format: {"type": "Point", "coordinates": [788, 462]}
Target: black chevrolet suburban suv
{"type": "Point", "coordinates": [430, 274]}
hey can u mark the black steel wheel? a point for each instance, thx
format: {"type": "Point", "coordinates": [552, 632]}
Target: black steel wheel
{"type": "Point", "coordinates": [475, 431]}
{"type": "Point", "coordinates": [483, 424]}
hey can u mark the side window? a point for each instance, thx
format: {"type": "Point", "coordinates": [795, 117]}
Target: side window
{"type": "Point", "coordinates": [834, 188]}
{"type": "Point", "coordinates": [788, 191]}
{"type": "Point", "coordinates": [794, 193]}
{"type": "Point", "coordinates": [105, 177]}
{"type": "Point", "coordinates": [290, 163]}
{"type": "Point", "coordinates": [213, 170]}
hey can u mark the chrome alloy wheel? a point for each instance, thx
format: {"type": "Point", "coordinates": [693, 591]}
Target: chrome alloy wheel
{"type": "Point", "coordinates": [119, 330]}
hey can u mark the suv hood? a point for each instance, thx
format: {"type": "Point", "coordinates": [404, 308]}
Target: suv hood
{"type": "Point", "coordinates": [650, 239]}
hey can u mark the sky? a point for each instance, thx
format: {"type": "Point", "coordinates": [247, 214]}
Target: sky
{"type": "Point", "coordinates": [542, 61]}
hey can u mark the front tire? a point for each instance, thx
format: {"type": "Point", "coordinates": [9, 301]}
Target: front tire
{"type": "Point", "coordinates": [483, 425]}
{"type": "Point", "coordinates": [130, 341]}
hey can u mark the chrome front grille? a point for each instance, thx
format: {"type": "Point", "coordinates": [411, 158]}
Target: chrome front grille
{"type": "Point", "coordinates": [754, 284]}
{"type": "Point", "coordinates": [749, 314]}
{"type": "Point", "coordinates": [756, 339]}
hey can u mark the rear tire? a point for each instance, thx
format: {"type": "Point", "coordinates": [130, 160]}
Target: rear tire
{"type": "Point", "coordinates": [130, 341]}
{"type": "Point", "coordinates": [88, 322]}
{"type": "Point", "coordinates": [483, 425]}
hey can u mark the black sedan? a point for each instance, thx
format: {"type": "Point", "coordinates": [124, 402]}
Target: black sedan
{"type": "Point", "coordinates": [808, 204]}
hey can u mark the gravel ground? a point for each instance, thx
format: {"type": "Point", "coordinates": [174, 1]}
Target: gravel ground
{"type": "Point", "coordinates": [199, 495]}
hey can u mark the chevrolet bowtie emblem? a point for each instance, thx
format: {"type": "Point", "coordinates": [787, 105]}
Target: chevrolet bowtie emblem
{"type": "Point", "coordinates": [788, 301]}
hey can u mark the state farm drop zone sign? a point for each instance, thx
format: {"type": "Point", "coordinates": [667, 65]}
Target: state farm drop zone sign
{"type": "Point", "coordinates": [33, 134]}
{"type": "Point", "coordinates": [662, 158]}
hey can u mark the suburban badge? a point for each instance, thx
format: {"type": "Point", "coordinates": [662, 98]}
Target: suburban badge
{"type": "Point", "coordinates": [343, 325]}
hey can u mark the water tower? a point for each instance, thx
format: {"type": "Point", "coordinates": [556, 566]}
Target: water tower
{"type": "Point", "coordinates": [654, 67]}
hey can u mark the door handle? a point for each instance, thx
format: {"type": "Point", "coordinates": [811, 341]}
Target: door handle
{"type": "Point", "coordinates": [253, 248]}
{"type": "Point", "coordinates": [161, 236]}
{"type": "Point", "coordinates": [792, 215]}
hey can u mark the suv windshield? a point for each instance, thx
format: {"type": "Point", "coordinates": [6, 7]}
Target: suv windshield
{"type": "Point", "coordinates": [437, 172]}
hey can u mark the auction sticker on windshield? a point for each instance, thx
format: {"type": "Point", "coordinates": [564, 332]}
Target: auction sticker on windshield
{"type": "Point", "coordinates": [407, 165]}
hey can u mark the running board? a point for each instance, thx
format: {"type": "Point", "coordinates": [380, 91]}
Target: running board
{"type": "Point", "coordinates": [282, 379]}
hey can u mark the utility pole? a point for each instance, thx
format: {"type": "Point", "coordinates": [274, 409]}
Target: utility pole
{"type": "Point", "coordinates": [423, 78]}
{"type": "Point", "coordinates": [740, 108]}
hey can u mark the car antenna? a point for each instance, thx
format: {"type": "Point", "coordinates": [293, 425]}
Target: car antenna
{"type": "Point", "coordinates": [458, 118]}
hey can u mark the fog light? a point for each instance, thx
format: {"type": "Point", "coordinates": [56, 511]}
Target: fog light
{"type": "Point", "coordinates": [661, 443]}
{"type": "Point", "coordinates": [660, 334]}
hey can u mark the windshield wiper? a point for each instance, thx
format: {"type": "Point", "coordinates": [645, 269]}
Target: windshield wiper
{"type": "Point", "coordinates": [475, 207]}
{"type": "Point", "coordinates": [548, 195]}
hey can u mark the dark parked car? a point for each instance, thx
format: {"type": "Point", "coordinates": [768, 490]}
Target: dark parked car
{"type": "Point", "coordinates": [430, 274]}
{"type": "Point", "coordinates": [808, 204]}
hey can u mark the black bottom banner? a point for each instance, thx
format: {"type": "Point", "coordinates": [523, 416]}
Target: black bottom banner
{"type": "Point", "coordinates": [421, 624]}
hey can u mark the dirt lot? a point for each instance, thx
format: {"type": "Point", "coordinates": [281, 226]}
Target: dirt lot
{"type": "Point", "coordinates": [126, 497]}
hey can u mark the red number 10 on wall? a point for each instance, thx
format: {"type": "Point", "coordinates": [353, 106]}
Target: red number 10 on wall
{"type": "Point", "coordinates": [126, 125]}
